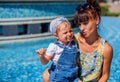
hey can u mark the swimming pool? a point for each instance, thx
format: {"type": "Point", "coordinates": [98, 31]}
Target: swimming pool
{"type": "Point", "coordinates": [20, 63]}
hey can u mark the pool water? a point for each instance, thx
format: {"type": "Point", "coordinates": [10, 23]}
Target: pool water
{"type": "Point", "coordinates": [111, 32]}
{"type": "Point", "coordinates": [20, 63]}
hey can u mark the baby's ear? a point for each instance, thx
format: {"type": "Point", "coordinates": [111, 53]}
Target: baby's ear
{"type": "Point", "coordinates": [56, 36]}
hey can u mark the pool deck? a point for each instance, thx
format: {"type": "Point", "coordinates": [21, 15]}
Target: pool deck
{"type": "Point", "coordinates": [23, 38]}
{"type": "Point", "coordinates": [115, 7]}
{"type": "Point", "coordinates": [107, 22]}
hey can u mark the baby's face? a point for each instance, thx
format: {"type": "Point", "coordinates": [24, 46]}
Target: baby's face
{"type": "Point", "coordinates": [65, 33]}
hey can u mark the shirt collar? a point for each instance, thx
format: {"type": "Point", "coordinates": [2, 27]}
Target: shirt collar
{"type": "Point", "coordinates": [69, 44]}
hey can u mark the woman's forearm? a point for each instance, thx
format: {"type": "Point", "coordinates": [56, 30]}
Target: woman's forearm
{"type": "Point", "coordinates": [104, 78]}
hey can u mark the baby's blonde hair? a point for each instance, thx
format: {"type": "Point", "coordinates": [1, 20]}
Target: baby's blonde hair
{"type": "Point", "coordinates": [66, 23]}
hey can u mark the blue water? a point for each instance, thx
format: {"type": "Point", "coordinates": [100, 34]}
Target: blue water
{"type": "Point", "coordinates": [25, 10]}
{"type": "Point", "coordinates": [20, 63]}
{"type": "Point", "coordinates": [111, 32]}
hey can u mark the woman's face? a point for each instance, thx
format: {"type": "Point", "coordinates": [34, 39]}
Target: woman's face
{"type": "Point", "coordinates": [88, 28]}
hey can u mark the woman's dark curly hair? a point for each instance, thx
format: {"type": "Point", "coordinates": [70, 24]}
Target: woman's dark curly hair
{"type": "Point", "coordinates": [89, 10]}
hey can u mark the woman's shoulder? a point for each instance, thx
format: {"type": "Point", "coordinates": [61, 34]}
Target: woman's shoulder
{"type": "Point", "coordinates": [77, 35]}
{"type": "Point", "coordinates": [108, 50]}
{"type": "Point", "coordinates": [108, 47]}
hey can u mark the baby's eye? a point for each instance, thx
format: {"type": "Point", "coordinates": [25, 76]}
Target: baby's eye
{"type": "Point", "coordinates": [70, 31]}
{"type": "Point", "coordinates": [65, 33]}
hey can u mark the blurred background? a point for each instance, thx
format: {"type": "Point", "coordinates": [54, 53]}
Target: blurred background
{"type": "Point", "coordinates": [24, 28]}
{"type": "Point", "coordinates": [23, 17]}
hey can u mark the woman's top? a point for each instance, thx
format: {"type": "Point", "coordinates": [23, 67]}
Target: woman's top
{"type": "Point", "coordinates": [91, 63]}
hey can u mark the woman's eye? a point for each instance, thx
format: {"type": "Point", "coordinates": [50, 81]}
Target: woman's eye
{"type": "Point", "coordinates": [85, 23]}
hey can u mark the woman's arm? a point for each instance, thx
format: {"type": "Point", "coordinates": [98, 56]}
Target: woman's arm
{"type": "Point", "coordinates": [46, 75]}
{"type": "Point", "coordinates": [107, 58]}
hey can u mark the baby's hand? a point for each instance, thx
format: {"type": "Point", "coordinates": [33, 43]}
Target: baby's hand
{"type": "Point", "coordinates": [41, 52]}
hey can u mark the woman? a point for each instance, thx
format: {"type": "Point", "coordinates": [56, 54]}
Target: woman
{"type": "Point", "coordinates": [95, 53]}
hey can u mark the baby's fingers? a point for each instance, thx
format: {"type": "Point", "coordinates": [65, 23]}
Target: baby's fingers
{"type": "Point", "coordinates": [41, 51]}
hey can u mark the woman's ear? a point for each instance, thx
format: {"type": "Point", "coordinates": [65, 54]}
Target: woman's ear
{"type": "Point", "coordinates": [97, 20]}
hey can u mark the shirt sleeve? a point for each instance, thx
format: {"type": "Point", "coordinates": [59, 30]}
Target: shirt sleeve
{"type": "Point", "coordinates": [51, 50]}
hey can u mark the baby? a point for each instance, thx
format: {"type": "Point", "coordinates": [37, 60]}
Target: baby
{"type": "Point", "coordinates": [62, 52]}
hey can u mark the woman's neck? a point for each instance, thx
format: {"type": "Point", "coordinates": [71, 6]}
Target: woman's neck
{"type": "Point", "coordinates": [90, 44]}
{"type": "Point", "coordinates": [92, 39]}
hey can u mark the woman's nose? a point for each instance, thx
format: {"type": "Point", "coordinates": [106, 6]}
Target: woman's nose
{"type": "Point", "coordinates": [81, 28]}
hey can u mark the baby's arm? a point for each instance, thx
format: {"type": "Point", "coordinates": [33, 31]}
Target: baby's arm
{"type": "Point", "coordinates": [43, 58]}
